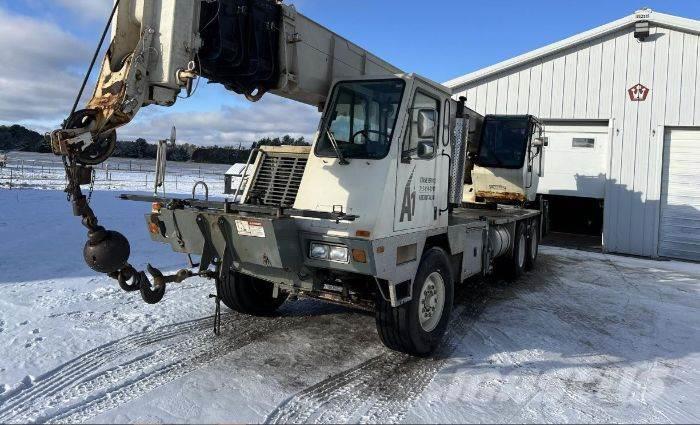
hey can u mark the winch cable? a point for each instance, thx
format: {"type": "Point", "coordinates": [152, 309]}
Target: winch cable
{"type": "Point", "coordinates": [69, 163]}
{"type": "Point", "coordinates": [94, 58]}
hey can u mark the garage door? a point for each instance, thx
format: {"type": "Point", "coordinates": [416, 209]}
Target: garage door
{"type": "Point", "coordinates": [679, 232]}
{"type": "Point", "coordinates": [576, 159]}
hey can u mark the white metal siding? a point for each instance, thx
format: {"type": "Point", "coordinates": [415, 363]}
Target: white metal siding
{"type": "Point", "coordinates": [679, 235]}
{"type": "Point", "coordinates": [590, 81]}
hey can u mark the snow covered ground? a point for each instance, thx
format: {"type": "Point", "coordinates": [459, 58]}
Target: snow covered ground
{"type": "Point", "coordinates": [45, 171]}
{"type": "Point", "coordinates": [587, 337]}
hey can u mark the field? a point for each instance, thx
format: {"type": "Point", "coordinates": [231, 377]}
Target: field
{"type": "Point", "coordinates": [586, 337]}
{"type": "Point", "coordinates": [45, 171]}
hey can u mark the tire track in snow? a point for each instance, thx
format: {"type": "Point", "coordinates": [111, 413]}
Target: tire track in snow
{"type": "Point", "coordinates": [185, 361]}
{"type": "Point", "coordinates": [82, 388]}
{"type": "Point", "coordinates": [18, 400]}
{"type": "Point", "coordinates": [85, 387]}
{"type": "Point", "coordinates": [383, 388]}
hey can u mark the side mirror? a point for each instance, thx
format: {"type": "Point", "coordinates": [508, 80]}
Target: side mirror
{"type": "Point", "coordinates": [426, 149]}
{"type": "Point", "coordinates": [540, 142]}
{"type": "Point", "coordinates": [426, 123]}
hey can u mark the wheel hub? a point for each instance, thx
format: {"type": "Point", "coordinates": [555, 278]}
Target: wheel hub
{"type": "Point", "coordinates": [431, 302]}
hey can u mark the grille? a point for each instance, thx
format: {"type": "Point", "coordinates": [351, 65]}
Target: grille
{"type": "Point", "coordinates": [278, 179]}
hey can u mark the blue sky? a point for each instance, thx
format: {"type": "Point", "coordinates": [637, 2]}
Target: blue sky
{"type": "Point", "coordinates": [50, 43]}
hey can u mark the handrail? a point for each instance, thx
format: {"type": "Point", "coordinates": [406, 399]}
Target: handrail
{"type": "Point", "coordinates": [245, 173]}
{"type": "Point", "coordinates": [206, 190]}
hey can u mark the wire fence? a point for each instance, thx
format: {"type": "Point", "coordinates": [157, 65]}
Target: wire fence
{"type": "Point", "coordinates": [120, 174]}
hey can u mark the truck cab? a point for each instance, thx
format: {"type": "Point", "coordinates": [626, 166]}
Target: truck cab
{"type": "Point", "coordinates": [378, 155]}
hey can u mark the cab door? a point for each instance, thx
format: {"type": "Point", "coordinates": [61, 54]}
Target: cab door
{"type": "Point", "coordinates": [416, 184]}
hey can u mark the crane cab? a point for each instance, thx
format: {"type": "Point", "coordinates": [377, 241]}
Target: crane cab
{"type": "Point", "coordinates": [507, 160]}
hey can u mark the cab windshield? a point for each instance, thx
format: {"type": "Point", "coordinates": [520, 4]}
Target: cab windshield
{"type": "Point", "coordinates": [503, 141]}
{"type": "Point", "coordinates": [361, 119]}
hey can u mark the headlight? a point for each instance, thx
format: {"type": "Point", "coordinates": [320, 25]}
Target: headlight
{"type": "Point", "coordinates": [339, 254]}
{"type": "Point", "coordinates": [319, 251]}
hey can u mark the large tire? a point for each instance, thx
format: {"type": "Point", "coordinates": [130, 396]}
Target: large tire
{"type": "Point", "coordinates": [533, 245]}
{"type": "Point", "coordinates": [418, 326]}
{"type": "Point", "coordinates": [515, 262]}
{"type": "Point", "coordinates": [248, 295]}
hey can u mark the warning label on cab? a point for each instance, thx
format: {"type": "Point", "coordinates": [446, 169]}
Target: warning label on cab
{"type": "Point", "coordinates": [250, 228]}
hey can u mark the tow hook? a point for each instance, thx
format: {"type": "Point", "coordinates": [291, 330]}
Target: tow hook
{"type": "Point", "coordinates": [161, 280]}
{"type": "Point", "coordinates": [131, 280]}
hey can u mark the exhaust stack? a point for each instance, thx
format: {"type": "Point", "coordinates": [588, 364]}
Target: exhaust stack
{"type": "Point", "coordinates": [460, 135]}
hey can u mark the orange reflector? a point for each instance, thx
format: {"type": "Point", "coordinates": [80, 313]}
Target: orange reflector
{"type": "Point", "coordinates": [359, 255]}
{"type": "Point", "coordinates": [362, 233]}
{"type": "Point", "coordinates": [153, 228]}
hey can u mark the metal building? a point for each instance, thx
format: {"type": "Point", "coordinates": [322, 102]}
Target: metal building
{"type": "Point", "coordinates": [622, 107]}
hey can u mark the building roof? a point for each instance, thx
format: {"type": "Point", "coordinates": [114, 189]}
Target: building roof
{"type": "Point", "coordinates": [659, 19]}
{"type": "Point", "coordinates": [236, 170]}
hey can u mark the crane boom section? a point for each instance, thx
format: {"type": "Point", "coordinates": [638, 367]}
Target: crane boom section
{"type": "Point", "coordinates": [314, 56]}
{"type": "Point", "coordinates": [272, 47]}
{"type": "Point", "coordinates": [252, 47]}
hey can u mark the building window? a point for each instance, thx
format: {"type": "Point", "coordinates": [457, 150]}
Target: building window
{"type": "Point", "coordinates": [581, 142]}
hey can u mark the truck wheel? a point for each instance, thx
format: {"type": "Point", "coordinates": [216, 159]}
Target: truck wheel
{"type": "Point", "coordinates": [248, 295]}
{"type": "Point", "coordinates": [418, 326]}
{"type": "Point", "coordinates": [515, 263]}
{"type": "Point", "coordinates": [533, 245]}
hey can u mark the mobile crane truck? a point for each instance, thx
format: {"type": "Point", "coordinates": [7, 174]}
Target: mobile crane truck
{"type": "Point", "coordinates": [404, 193]}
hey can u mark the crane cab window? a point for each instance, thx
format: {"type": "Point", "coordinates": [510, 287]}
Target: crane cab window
{"type": "Point", "coordinates": [504, 141]}
{"type": "Point", "coordinates": [361, 119]}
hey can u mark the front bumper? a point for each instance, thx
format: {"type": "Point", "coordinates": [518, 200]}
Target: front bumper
{"type": "Point", "coordinates": [266, 247]}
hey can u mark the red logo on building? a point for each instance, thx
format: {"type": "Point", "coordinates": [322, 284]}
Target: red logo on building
{"type": "Point", "coordinates": [638, 93]}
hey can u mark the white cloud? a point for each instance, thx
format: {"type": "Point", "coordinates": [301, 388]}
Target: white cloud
{"type": "Point", "coordinates": [271, 117]}
{"type": "Point", "coordinates": [37, 81]}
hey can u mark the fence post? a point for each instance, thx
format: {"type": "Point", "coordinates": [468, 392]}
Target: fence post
{"type": "Point", "coordinates": [22, 168]}
{"type": "Point", "coordinates": [175, 181]}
